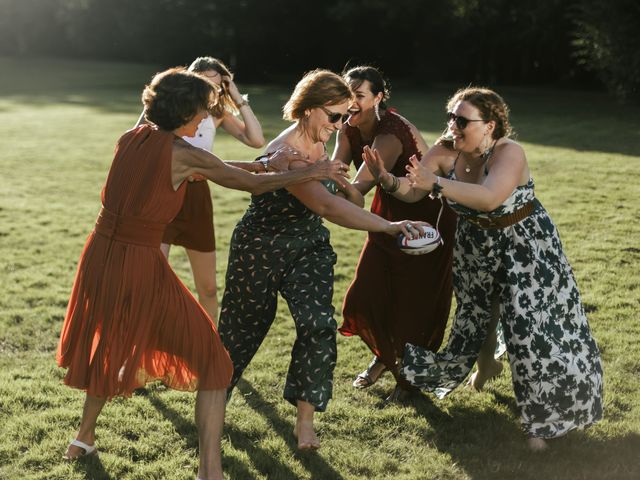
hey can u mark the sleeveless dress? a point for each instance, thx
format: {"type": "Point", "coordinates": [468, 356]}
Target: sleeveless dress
{"type": "Point", "coordinates": [555, 362]}
{"type": "Point", "coordinates": [397, 298]}
{"type": "Point", "coordinates": [192, 227]}
{"type": "Point", "coordinates": [130, 320]}
{"type": "Point", "coordinates": [280, 246]}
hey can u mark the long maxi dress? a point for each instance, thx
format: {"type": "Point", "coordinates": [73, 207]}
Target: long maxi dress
{"type": "Point", "coordinates": [397, 298]}
{"type": "Point", "coordinates": [555, 362]}
{"type": "Point", "coordinates": [130, 320]}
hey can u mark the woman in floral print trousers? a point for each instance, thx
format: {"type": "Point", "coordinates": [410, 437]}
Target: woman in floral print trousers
{"type": "Point", "coordinates": [509, 267]}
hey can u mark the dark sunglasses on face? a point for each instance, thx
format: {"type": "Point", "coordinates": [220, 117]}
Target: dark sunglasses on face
{"type": "Point", "coordinates": [334, 117]}
{"type": "Point", "coordinates": [461, 122]}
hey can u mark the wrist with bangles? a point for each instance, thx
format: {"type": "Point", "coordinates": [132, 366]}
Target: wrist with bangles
{"type": "Point", "coordinates": [395, 184]}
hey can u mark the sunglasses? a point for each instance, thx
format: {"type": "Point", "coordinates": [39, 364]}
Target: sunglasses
{"type": "Point", "coordinates": [461, 122]}
{"type": "Point", "coordinates": [334, 117]}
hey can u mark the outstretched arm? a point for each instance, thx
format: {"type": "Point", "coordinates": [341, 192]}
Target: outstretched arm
{"type": "Point", "coordinates": [189, 161]}
{"type": "Point", "coordinates": [508, 170]}
{"type": "Point", "coordinates": [337, 210]}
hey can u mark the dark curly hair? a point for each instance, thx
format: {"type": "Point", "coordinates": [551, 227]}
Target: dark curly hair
{"type": "Point", "coordinates": [175, 96]}
{"type": "Point", "coordinates": [355, 77]}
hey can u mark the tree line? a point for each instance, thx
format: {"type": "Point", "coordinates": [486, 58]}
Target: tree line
{"type": "Point", "coordinates": [570, 42]}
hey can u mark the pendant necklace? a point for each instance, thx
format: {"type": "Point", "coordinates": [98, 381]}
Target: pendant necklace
{"type": "Point", "coordinates": [484, 156]}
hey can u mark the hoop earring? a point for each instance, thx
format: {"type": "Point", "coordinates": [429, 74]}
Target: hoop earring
{"type": "Point", "coordinates": [376, 110]}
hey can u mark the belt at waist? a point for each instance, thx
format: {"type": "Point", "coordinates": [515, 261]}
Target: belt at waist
{"type": "Point", "coordinates": [504, 221]}
{"type": "Point", "coordinates": [137, 231]}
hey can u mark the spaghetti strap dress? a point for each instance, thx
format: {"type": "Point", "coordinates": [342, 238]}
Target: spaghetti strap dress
{"type": "Point", "coordinates": [555, 362]}
{"type": "Point", "coordinates": [130, 320]}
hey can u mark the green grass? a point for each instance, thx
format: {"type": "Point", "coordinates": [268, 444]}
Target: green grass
{"type": "Point", "coordinates": [60, 121]}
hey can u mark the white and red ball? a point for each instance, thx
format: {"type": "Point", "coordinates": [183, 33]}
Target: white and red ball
{"type": "Point", "coordinates": [425, 243]}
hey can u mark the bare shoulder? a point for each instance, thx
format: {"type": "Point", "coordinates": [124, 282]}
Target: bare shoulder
{"type": "Point", "coordinates": [509, 149]}
{"type": "Point", "coordinates": [186, 154]}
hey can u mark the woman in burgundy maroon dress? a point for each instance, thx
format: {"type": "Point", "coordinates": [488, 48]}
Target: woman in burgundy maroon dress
{"type": "Point", "coordinates": [130, 320]}
{"type": "Point", "coordinates": [380, 305]}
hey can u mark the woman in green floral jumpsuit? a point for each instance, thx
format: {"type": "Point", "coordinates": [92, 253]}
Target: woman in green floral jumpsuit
{"type": "Point", "coordinates": [509, 267]}
{"type": "Point", "coordinates": [281, 246]}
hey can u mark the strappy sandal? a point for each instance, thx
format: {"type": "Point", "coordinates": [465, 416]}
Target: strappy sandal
{"type": "Point", "coordinates": [89, 450]}
{"type": "Point", "coordinates": [364, 379]}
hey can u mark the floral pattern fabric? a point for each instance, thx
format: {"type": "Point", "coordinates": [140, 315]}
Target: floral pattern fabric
{"type": "Point", "coordinates": [555, 362]}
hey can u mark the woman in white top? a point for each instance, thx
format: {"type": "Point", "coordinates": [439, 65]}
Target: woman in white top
{"type": "Point", "coordinates": [193, 226]}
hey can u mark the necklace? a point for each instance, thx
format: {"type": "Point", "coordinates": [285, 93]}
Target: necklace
{"type": "Point", "coordinates": [484, 157]}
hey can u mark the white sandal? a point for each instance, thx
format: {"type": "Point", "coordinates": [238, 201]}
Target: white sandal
{"type": "Point", "coordinates": [88, 450]}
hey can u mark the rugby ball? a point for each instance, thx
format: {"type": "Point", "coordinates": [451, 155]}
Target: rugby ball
{"type": "Point", "coordinates": [425, 243]}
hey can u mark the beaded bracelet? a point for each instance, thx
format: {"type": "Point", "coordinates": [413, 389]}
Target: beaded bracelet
{"type": "Point", "coordinates": [436, 189]}
{"type": "Point", "coordinates": [395, 185]}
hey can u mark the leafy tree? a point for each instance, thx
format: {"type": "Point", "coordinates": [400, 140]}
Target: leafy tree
{"type": "Point", "coordinates": [607, 42]}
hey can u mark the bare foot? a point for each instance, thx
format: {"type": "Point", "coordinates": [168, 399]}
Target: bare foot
{"type": "Point", "coordinates": [478, 379]}
{"type": "Point", "coordinates": [537, 444]}
{"type": "Point", "coordinates": [306, 435]}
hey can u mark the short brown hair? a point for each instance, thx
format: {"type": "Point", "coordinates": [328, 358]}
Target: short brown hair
{"type": "Point", "coordinates": [316, 89]}
{"type": "Point", "coordinates": [175, 96]}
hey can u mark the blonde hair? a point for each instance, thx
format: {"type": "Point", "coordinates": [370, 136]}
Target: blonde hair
{"type": "Point", "coordinates": [316, 89]}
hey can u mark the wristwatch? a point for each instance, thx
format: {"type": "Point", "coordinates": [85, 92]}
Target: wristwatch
{"type": "Point", "coordinates": [245, 101]}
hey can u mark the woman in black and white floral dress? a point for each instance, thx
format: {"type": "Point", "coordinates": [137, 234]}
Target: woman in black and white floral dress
{"type": "Point", "coordinates": [509, 267]}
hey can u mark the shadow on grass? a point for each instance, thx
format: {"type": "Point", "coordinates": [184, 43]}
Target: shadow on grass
{"type": "Point", "coordinates": [486, 444]}
{"type": "Point", "coordinates": [92, 468]}
{"type": "Point", "coordinates": [262, 459]}
{"type": "Point", "coordinates": [264, 462]}
{"type": "Point", "coordinates": [185, 428]}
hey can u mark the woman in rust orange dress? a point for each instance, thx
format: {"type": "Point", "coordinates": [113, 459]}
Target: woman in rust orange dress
{"type": "Point", "coordinates": [380, 305]}
{"type": "Point", "coordinates": [130, 320]}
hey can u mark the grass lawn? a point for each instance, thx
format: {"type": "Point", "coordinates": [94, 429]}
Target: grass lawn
{"type": "Point", "coordinates": [60, 121]}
